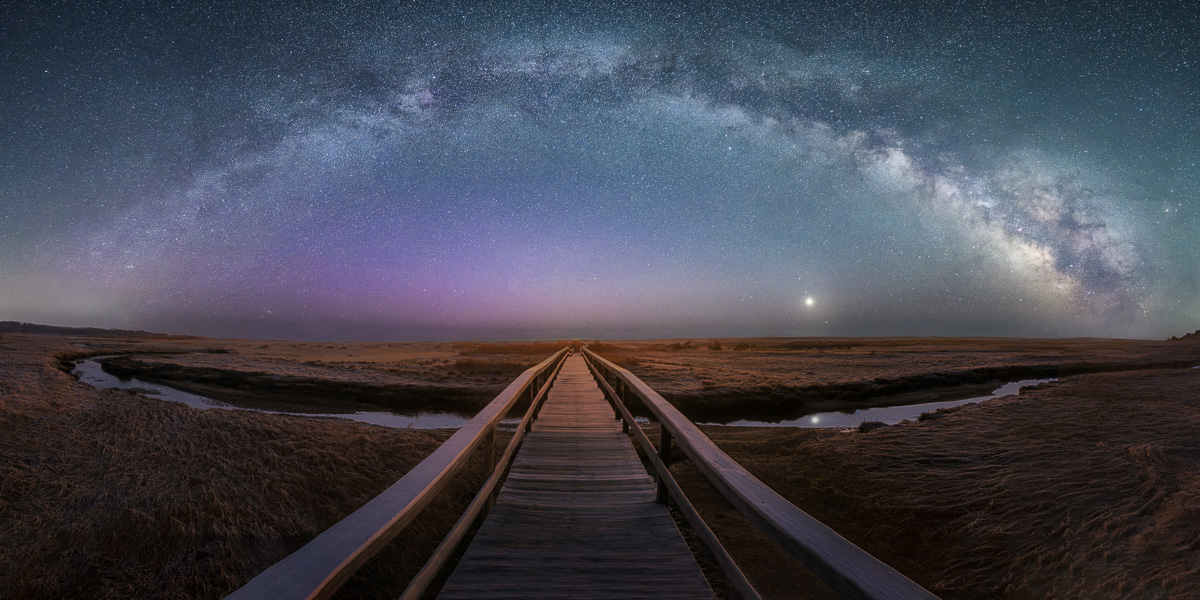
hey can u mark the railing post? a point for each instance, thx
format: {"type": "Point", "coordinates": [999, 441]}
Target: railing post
{"type": "Point", "coordinates": [617, 413]}
{"type": "Point", "coordinates": [322, 565]}
{"type": "Point", "coordinates": [621, 398]}
{"type": "Point", "coordinates": [489, 451]}
{"type": "Point", "coordinates": [664, 454]}
{"type": "Point", "coordinates": [537, 409]}
{"type": "Point", "coordinates": [489, 463]}
{"type": "Point", "coordinates": [533, 388]}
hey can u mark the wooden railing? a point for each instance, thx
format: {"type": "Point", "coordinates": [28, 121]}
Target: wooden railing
{"type": "Point", "coordinates": [319, 568]}
{"type": "Point", "coordinates": [847, 569]}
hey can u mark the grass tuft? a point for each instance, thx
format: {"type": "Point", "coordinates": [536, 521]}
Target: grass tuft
{"type": "Point", "coordinates": [531, 348]}
{"type": "Point", "coordinates": [500, 367]}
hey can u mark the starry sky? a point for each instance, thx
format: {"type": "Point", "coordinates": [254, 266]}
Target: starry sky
{"type": "Point", "coordinates": [520, 170]}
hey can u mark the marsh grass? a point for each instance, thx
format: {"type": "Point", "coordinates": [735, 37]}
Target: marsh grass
{"type": "Point", "coordinates": [499, 367]}
{"type": "Point", "coordinates": [113, 495]}
{"type": "Point", "coordinates": [1085, 489]}
{"type": "Point", "coordinates": [622, 360]}
{"type": "Point", "coordinates": [818, 345]}
{"type": "Point", "coordinates": [603, 347]}
{"type": "Point", "coordinates": [786, 378]}
{"type": "Point", "coordinates": [136, 497]}
{"type": "Point", "coordinates": [312, 393]}
{"type": "Point", "coordinates": [543, 349]}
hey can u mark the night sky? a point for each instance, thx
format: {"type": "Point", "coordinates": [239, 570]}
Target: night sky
{"type": "Point", "coordinates": [398, 170]}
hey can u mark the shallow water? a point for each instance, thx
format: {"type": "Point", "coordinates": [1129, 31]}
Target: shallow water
{"type": "Point", "coordinates": [884, 414]}
{"type": "Point", "coordinates": [90, 372]}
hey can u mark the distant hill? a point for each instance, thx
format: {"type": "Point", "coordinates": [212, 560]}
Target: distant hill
{"type": "Point", "coordinates": [16, 327]}
{"type": "Point", "coordinates": [1188, 337]}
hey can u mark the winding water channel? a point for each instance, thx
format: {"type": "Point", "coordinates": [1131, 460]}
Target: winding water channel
{"type": "Point", "coordinates": [884, 414]}
{"type": "Point", "coordinates": [90, 372]}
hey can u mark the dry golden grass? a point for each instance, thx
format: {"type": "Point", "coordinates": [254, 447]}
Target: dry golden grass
{"type": "Point", "coordinates": [499, 367]}
{"type": "Point", "coordinates": [294, 376]}
{"type": "Point", "coordinates": [1084, 489]}
{"type": "Point", "coordinates": [788, 377]}
{"type": "Point", "coordinates": [111, 495]}
{"type": "Point", "coordinates": [542, 349]}
{"type": "Point", "coordinates": [311, 377]}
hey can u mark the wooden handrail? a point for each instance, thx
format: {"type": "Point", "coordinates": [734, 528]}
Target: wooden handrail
{"type": "Point", "coordinates": [847, 569]}
{"type": "Point", "coordinates": [663, 473]}
{"type": "Point", "coordinates": [319, 568]}
{"type": "Point", "coordinates": [441, 555]}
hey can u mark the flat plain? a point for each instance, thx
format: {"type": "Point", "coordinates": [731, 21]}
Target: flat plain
{"type": "Point", "coordinates": [1083, 488]}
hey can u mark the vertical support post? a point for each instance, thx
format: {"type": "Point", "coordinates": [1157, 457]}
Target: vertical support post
{"type": "Point", "coordinates": [529, 426]}
{"type": "Point", "coordinates": [616, 411]}
{"type": "Point", "coordinates": [620, 391]}
{"type": "Point", "coordinates": [664, 454]}
{"type": "Point", "coordinates": [489, 451]}
{"type": "Point", "coordinates": [489, 462]}
{"type": "Point", "coordinates": [534, 386]}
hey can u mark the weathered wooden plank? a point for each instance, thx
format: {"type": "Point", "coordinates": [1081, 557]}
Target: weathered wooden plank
{"type": "Point", "coordinates": [734, 573]}
{"type": "Point", "coordinates": [320, 567]}
{"type": "Point", "coordinates": [483, 499]}
{"type": "Point", "coordinates": [576, 516]}
{"type": "Point", "coordinates": [850, 571]}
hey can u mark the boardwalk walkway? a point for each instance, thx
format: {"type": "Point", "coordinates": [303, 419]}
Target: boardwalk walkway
{"type": "Point", "coordinates": [576, 516]}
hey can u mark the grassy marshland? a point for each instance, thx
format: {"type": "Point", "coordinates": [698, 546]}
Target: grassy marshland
{"type": "Point", "coordinates": [108, 494]}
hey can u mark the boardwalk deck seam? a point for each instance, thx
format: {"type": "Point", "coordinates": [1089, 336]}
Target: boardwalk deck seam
{"type": "Point", "coordinates": [576, 516]}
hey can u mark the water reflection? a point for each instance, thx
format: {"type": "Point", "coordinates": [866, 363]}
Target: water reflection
{"type": "Point", "coordinates": [90, 372]}
{"type": "Point", "coordinates": [883, 414]}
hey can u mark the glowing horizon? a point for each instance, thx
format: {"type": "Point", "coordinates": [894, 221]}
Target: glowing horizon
{"type": "Point", "coordinates": [486, 171]}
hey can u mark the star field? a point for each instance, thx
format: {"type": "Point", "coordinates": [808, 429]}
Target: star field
{"type": "Point", "coordinates": [388, 170]}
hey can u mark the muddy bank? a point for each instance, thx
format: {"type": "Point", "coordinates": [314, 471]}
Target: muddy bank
{"type": "Point", "coordinates": [785, 378]}
{"type": "Point", "coordinates": [273, 391]}
{"type": "Point", "coordinates": [786, 401]}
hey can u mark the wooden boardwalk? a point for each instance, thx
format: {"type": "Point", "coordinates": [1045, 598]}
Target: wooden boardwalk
{"type": "Point", "coordinates": [576, 516]}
